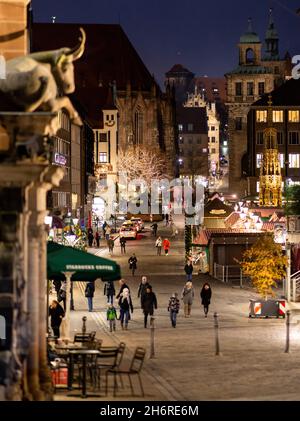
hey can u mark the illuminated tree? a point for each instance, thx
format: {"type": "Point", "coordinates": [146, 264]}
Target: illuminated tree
{"type": "Point", "coordinates": [265, 264]}
{"type": "Point", "coordinates": [140, 162]}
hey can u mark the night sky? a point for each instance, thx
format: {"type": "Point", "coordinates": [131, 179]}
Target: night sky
{"type": "Point", "coordinates": [202, 35]}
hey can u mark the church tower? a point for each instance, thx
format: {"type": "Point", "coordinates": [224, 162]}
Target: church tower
{"type": "Point", "coordinates": [271, 40]}
{"type": "Point", "coordinates": [270, 180]}
{"type": "Point", "coordinates": [256, 74]}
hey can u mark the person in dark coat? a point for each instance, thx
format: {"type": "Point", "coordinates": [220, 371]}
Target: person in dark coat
{"type": "Point", "coordinates": [125, 304]}
{"type": "Point", "coordinates": [109, 291]}
{"type": "Point", "coordinates": [132, 263]}
{"type": "Point", "coordinates": [154, 228]}
{"type": "Point", "coordinates": [56, 314]}
{"type": "Point", "coordinates": [89, 293]}
{"type": "Point", "coordinates": [188, 268]}
{"type": "Point", "coordinates": [142, 288]}
{"type": "Point", "coordinates": [205, 295]}
{"type": "Point", "coordinates": [123, 244]}
{"type": "Point", "coordinates": [90, 238]}
{"type": "Point", "coordinates": [123, 285]}
{"type": "Point", "coordinates": [149, 303]}
{"type": "Point", "coordinates": [97, 238]}
{"type": "Point", "coordinates": [173, 308]}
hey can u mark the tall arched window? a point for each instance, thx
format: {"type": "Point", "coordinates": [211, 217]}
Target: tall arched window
{"type": "Point", "coordinates": [249, 56]}
{"type": "Point", "coordinates": [138, 126]}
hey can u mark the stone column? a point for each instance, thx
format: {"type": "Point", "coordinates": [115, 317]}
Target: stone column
{"type": "Point", "coordinates": [25, 178]}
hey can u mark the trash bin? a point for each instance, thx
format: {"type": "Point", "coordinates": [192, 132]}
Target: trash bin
{"type": "Point", "coordinates": [267, 308]}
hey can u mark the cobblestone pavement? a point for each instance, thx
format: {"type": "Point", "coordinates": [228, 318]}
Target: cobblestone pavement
{"type": "Point", "coordinates": [252, 364]}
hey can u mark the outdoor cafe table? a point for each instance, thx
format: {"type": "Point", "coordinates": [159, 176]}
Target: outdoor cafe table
{"type": "Point", "coordinates": [81, 353]}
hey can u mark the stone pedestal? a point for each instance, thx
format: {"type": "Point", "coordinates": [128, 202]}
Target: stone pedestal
{"type": "Point", "coordinates": [25, 178]}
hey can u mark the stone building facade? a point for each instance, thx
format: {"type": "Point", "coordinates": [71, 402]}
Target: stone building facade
{"type": "Point", "coordinates": [193, 142]}
{"type": "Point", "coordinates": [286, 121]}
{"type": "Point", "coordinates": [121, 100]}
{"type": "Point", "coordinates": [257, 73]}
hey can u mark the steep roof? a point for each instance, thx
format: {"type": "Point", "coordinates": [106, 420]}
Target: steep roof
{"type": "Point", "coordinates": [287, 94]}
{"type": "Point", "coordinates": [217, 208]}
{"type": "Point", "coordinates": [195, 115]}
{"type": "Point", "coordinates": [109, 56]}
{"type": "Point", "coordinates": [178, 69]}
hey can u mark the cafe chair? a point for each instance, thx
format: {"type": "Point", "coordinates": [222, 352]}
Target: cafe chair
{"type": "Point", "coordinates": [134, 370]}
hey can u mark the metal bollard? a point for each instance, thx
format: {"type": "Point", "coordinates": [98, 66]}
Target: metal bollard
{"type": "Point", "coordinates": [152, 328]}
{"type": "Point", "coordinates": [287, 343]}
{"type": "Point", "coordinates": [216, 326]}
{"type": "Point", "coordinates": [84, 319]}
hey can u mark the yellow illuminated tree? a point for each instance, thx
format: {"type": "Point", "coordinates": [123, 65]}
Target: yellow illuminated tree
{"type": "Point", "coordinates": [265, 264]}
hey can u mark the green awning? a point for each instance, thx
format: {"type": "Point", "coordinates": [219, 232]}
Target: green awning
{"type": "Point", "coordinates": [86, 266]}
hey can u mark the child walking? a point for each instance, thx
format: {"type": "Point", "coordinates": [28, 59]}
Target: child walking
{"type": "Point", "coordinates": [173, 308]}
{"type": "Point", "coordinates": [111, 315]}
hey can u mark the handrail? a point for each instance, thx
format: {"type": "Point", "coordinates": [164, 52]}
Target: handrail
{"type": "Point", "coordinates": [295, 274]}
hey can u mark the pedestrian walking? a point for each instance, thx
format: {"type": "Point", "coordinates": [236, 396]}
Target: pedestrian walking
{"type": "Point", "coordinates": [154, 228]}
{"type": "Point", "coordinates": [188, 297]}
{"type": "Point", "coordinates": [62, 294]}
{"type": "Point", "coordinates": [90, 238]}
{"type": "Point", "coordinates": [166, 246]}
{"type": "Point", "coordinates": [89, 293]}
{"type": "Point", "coordinates": [97, 239]}
{"type": "Point", "coordinates": [167, 219]}
{"type": "Point", "coordinates": [188, 268]}
{"type": "Point", "coordinates": [149, 303]}
{"type": "Point", "coordinates": [109, 291]}
{"type": "Point", "coordinates": [123, 285]}
{"type": "Point", "coordinates": [111, 316]}
{"type": "Point", "coordinates": [107, 232]}
{"type": "Point", "coordinates": [56, 314]}
{"type": "Point", "coordinates": [173, 308]}
{"type": "Point", "coordinates": [104, 228]}
{"type": "Point", "coordinates": [158, 244]}
{"type": "Point", "coordinates": [123, 244]}
{"type": "Point", "coordinates": [205, 295]}
{"type": "Point", "coordinates": [111, 245]}
{"type": "Point", "coordinates": [132, 263]}
{"type": "Point", "coordinates": [126, 306]}
{"type": "Point", "coordinates": [142, 288]}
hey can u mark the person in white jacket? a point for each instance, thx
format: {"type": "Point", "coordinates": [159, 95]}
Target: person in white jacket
{"type": "Point", "coordinates": [158, 244]}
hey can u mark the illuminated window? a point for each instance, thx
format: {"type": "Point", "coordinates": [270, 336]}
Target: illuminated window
{"type": "Point", "coordinates": [278, 116]}
{"type": "Point", "coordinates": [261, 116]}
{"type": "Point", "coordinates": [190, 127]}
{"type": "Point", "coordinates": [294, 116]}
{"type": "Point", "coordinates": [181, 141]}
{"type": "Point", "coordinates": [257, 186]}
{"type": "Point", "coordinates": [103, 157]}
{"type": "Point", "coordinates": [281, 159]}
{"type": "Point", "coordinates": [259, 158]}
{"type": "Point", "coordinates": [294, 160]}
{"type": "Point", "coordinates": [180, 127]}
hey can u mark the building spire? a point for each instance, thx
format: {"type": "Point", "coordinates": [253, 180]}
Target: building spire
{"type": "Point", "coordinates": [250, 27]}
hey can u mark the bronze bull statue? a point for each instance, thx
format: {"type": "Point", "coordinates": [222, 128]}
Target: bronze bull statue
{"type": "Point", "coordinates": [36, 81]}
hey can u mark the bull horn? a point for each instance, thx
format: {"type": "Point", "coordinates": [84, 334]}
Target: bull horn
{"type": "Point", "coordinates": [77, 51]}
